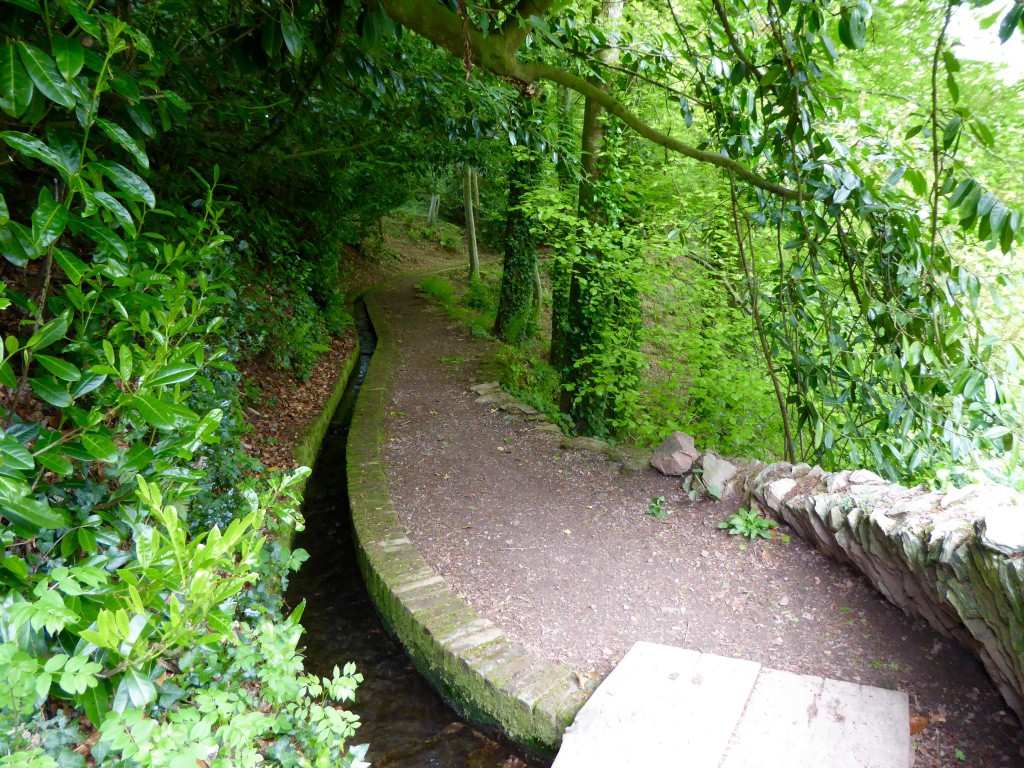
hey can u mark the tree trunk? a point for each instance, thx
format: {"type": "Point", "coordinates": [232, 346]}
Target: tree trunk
{"type": "Point", "coordinates": [538, 289]}
{"type": "Point", "coordinates": [578, 329]}
{"type": "Point", "coordinates": [476, 201]}
{"type": "Point", "coordinates": [467, 194]}
{"type": "Point", "coordinates": [517, 311]}
{"type": "Point", "coordinates": [435, 204]}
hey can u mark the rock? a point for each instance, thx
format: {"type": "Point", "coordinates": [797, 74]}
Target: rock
{"type": "Point", "coordinates": [486, 388]}
{"type": "Point", "coordinates": [675, 455]}
{"type": "Point", "coordinates": [953, 559]}
{"type": "Point", "coordinates": [495, 398]}
{"type": "Point", "coordinates": [775, 492]}
{"type": "Point", "coordinates": [633, 461]}
{"type": "Point", "coordinates": [554, 429]}
{"type": "Point", "coordinates": [591, 444]}
{"type": "Point", "coordinates": [718, 474]}
{"type": "Point", "coordinates": [514, 406]}
{"type": "Point", "coordinates": [1002, 531]}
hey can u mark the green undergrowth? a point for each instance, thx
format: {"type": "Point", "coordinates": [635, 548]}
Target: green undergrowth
{"type": "Point", "coordinates": [143, 555]}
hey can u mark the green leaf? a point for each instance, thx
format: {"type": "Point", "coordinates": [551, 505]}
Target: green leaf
{"type": "Point", "coordinates": [1010, 22]}
{"type": "Point", "coordinates": [173, 374]}
{"type": "Point", "coordinates": [16, 244]}
{"type": "Point", "coordinates": [271, 39]}
{"type": "Point", "coordinates": [7, 377]}
{"type": "Point", "coordinates": [69, 54]}
{"type": "Point", "coordinates": [49, 333]}
{"type": "Point", "coordinates": [31, 146]}
{"type": "Point", "coordinates": [961, 192]}
{"type": "Point", "coordinates": [31, 514]}
{"type": "Point", "coordinates": [73, 267]}
{"type": "Point", "coordinates": [15, 84]}
{"type": "Point", "coordinates": [14, 455]}
{"type": "Point", "coordinates": [62, 369]}
{"type": "Point", "coordinates": [140, 688]}
{"type": "Point", "coordinates": [951, 131]}
{"type": "Point", "coordinates": [99, 447]}
{"type": "Point", "coordinates": [140, 116]}
{"type": "Point", "coordinates": [104, 237]}
{"type": "Point", "coordinates": [917, 181]}
{"type": "Point", "coordinates": [155, 412]}
{"type": "Point", "coordinates": [44, 73]}
{"type": "Point", "coordinates": [95, 702]}
{"type": "Point", "coordinates": [125, 362]}
{"type": "Point", "coordinates": [292, 36]}
{"type": "Point", "coordinates": [996, 218]}
{"type": "Point", "coordinates": [88, 383]}
{"type": "Point", "coordinates": [853, 27]}
{"type": "Point", "coordinates": [54, 462]}
{"type": "Point", "coordinates": [120, 213]}
{"type": "Point", "coordinates": [28, 5]}
{"type": "Point", "coordinates": [1007, 235]}
{"type": "Point", "coordinates": [48, 219]}
{"type": "Point", "coordinates": [127, 181]}
{"type": "Point", "coordinates": [120, 136]}
{"type": "Point", "coordinates": [981, 131]}
{"type": "Point", "coordinates": [5, 215]}
{"type": "Point", "coordinates": [47, 388]}
{"type": "Point", "coordinates": [954, 89]}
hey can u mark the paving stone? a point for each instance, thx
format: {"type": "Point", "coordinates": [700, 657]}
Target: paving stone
{"type": "Point", "coordinates": [665, 706]}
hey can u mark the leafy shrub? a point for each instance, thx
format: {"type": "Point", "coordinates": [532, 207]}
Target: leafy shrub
{"type": "Point", "coordinates": [482, 296]}
{"type": "Point", "coordinates": [163, 637]}
{"type": "Point", "coordinates": [748, 523]}
{"type": "Point", "coordinates": [438, 288]}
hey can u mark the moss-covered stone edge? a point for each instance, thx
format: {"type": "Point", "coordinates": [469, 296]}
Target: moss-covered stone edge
{"type": "Point", "coordinates": [463, 655]}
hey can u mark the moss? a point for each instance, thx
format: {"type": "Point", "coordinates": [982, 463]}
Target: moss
{"type": "Point", "coordinates": [472, 679]}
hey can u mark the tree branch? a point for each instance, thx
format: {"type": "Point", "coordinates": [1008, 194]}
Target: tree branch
{"type": "Point", "coordinates": [498, 54]}
{"type": "Point", "coordinates": [540, 71]}
{"type": "Point", "coordinates": [512, 29]}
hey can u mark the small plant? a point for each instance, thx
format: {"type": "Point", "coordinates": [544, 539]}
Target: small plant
{"type": "Point", "coordinates": [657, 508]}
{"type": "Point", "coordinates": [747, 522]}
{"type": "Point", "coordinates": [437, 287]}
{"type": "Point", "coordinates": [695, 486]}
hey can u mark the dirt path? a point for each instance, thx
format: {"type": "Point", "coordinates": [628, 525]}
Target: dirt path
{"type": "Point", "coordinates": [555, 547]}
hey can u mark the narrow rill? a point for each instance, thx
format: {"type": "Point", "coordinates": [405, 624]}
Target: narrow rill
{"type": "Point", "coordinates": [406, 723]}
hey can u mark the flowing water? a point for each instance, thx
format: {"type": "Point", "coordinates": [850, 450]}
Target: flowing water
{"type": "Point", "coordinates": [405, 722]}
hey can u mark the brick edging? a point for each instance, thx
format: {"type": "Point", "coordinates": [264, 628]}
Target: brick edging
{"type": "Point", "coordinates": [462, 654]}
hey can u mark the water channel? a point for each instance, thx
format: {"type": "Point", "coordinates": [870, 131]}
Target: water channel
{"type": "Point", "coordinates": [405, 722]}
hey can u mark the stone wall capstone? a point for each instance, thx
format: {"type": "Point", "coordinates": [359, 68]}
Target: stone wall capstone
{"type": "Point", "coordinates": [955, 559]}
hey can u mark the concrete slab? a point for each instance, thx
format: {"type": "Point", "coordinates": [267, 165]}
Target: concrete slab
{"type": "Point", "coordinates": [665, 706]}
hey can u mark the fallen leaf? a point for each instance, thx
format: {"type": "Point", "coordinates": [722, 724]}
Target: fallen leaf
{"type": "Point", "coordinates": [918, 724]}
{"type": "Point", "coordinates": [567, 532]}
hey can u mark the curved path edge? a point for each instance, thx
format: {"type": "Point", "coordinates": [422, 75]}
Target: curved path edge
{"type": "Point", "coordinates": [462, 654]}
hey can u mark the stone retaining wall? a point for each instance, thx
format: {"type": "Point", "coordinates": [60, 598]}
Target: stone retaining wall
{"type": "Point", "coordinates": [956, 559]}
{"type": "Point", "coordinates": [464, 656]}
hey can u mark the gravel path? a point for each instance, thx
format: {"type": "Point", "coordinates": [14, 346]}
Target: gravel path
{"type": "Point", "coordinates": [555, 547]}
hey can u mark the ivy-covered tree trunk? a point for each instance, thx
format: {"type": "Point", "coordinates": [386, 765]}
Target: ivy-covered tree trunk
{"type": "Point", "coordinates": [517, 308]}
{"type": "Point", "coordinates": [578, 326]}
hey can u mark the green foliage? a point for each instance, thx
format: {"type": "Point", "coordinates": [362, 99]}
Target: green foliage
{"type": "Point", "coordinates": [749, 523]}
{"type": "Point", "coordinates": [165, 634]}
{"type": "Point", "coordinates": [532, 381]}
{"type": "Point", "coordinates": [481, 296]}
{"type": "Point", "coordinates": [657, 508]}
{"type": "Point", "coordinates": [438, 288]}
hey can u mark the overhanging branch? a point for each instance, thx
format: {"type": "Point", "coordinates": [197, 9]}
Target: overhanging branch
{"type": "Point", "coordinates": [612, 105]}
{"type": "Point", "coordinates": [498, 54]}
